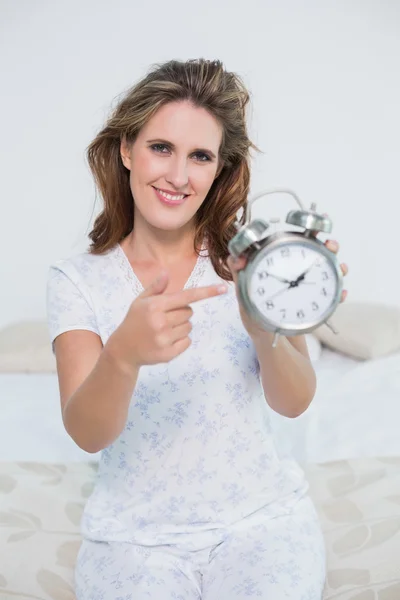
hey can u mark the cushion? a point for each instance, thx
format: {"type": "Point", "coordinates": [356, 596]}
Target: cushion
{"type": "Point", "coordinates": [365, 330]}
{"type": "Point", "coordinates": [25, 348]}
{"type": "Point", "coordinates": [358, 502]}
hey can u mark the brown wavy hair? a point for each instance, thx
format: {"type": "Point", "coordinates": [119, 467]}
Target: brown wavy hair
{"type": "Point", "coordinates": [205, 84]}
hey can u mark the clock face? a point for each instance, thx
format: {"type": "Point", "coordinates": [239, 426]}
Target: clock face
{"type": "Point", "coordinates": [293, 285]}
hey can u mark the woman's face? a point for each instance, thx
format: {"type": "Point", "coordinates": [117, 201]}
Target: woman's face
{"type": "Point", "coordinates": [173, 163]}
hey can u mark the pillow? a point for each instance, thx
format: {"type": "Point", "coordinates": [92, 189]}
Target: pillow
{"type": "Point", "coordinates": [314, 347]}
{"type": "Point", "coordinates": [365, 330]}
{"type": "Point", "coordinates": [25, 348]}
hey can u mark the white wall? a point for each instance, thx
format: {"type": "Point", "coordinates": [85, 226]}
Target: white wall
{"type": "Point", "coordinates": [326, 95]}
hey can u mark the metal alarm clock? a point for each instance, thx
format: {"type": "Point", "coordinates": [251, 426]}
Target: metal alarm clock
{"type": "Point", "coordinates": [291, 283]}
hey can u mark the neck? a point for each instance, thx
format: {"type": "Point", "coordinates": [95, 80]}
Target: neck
{"type": "Point", "coordinates": [149, 245]}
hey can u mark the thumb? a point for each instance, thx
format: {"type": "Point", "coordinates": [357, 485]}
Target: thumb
{"type": "Point", "coordinates": [158, 286]}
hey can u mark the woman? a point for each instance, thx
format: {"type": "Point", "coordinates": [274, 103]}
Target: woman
{"type": "Point", "coordinates": [161, 369]}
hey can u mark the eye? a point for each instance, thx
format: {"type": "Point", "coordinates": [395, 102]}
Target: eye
{"type": "Point", "coordinates": [164, 149]}
{"type": "Point", "coordinates": [159, 147]}
{"type": "Point", "coordinates": [202, 157]}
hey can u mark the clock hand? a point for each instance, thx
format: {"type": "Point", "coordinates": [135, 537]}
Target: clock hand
{"type": "Point", "coordinates": [304, 273]}
{"type": "Point", "coordinates": [278, 293]}
{"type": "Point", "coordinates": [286, 289]}
{"type": "Point", "coordinates": [296, 282]}
{"type": "Point", "coordinates": [278, 278]}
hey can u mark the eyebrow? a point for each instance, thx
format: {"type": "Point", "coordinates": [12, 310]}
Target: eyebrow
{"type": "Point", "coordinates": [167, 143]}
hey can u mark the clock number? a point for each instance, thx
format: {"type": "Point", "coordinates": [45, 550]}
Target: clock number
{"type": "Point", "coordinates": [283, 311]}
{"type": "Point", "coordinates": [300, 314]}
{"type": "Point", "coordinates": [285, 252]}
{"type": "Point", "coordinates": [315, 306]}
{"type": "Point", "coordinates": [270, 305]}
{"type": "Point", "coordinates": [325, 275]}
{"type": "Point", "coordinates": [262, 275]}
{"type": "Point", "coordinates": [324, 292]}
{"type": "Point", "coordinates": [261, 291]}
{"type": "Point", "coordinates": [270, 261]}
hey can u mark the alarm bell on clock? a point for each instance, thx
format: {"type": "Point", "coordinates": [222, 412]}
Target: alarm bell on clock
{"type": "Point", "coordinates": [291, 283]}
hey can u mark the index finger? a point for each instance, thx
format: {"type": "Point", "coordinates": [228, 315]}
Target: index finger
{"type": "Point", "coordinates": [185, 297]}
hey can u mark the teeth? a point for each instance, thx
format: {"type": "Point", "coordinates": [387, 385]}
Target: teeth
{"type": "Point", "coordinates": [170, 197]}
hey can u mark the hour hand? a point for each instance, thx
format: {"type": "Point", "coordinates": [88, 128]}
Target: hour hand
{"type": "Point", "coordinates": [304, 273]}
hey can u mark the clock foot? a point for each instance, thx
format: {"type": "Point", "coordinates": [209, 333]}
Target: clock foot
{"type": "Point", "coordinates": [331, 327]}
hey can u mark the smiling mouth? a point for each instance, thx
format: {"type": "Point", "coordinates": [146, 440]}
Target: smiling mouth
{"type": "Point", "coordinates": [170, 198]}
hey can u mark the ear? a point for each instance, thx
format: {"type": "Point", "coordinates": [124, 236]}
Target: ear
{"type": "Point", "coordinates": [219, 168]}
{"type": "Point", "coordinates": [125, 151]}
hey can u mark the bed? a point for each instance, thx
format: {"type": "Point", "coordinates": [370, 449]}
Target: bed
{"type": "Point", "coordinates": [348, 442]}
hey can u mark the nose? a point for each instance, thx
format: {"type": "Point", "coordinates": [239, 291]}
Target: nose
{"type": "Point", "coordinates": [177, 174]}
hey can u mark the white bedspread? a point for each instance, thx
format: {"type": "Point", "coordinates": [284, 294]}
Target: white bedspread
{"type": "Point", "coordinates": [31, 428]}
{"type": "Point", "coordinates": [355, 413]}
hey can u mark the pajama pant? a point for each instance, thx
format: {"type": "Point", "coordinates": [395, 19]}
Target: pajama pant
{"type": "Point", "coordinates": [279, 558]}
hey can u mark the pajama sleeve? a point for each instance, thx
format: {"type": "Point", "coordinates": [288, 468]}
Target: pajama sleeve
{"type": "Point", "coordinates": [68, 302]}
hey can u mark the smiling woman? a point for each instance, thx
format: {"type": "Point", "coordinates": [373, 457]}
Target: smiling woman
{"type": "Point", "coordinates": [159, 368]}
